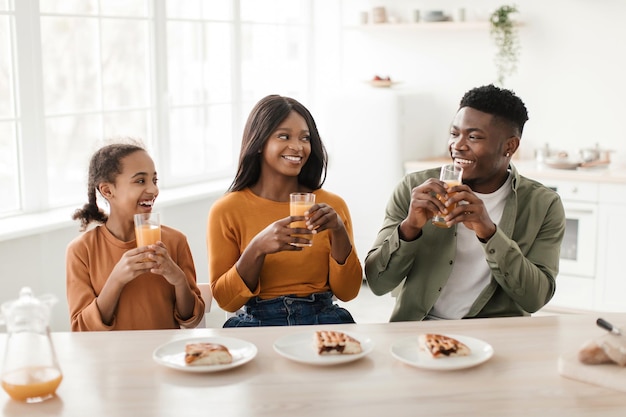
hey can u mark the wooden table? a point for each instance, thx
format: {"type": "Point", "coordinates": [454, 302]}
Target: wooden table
{"type": "Point", "coordinates": [113, 374]}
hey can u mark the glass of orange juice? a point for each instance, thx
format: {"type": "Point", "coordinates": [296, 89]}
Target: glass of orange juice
{"type": "Point", "coordinates": [452, 175]}
{"type": "Point", "coordinates": [147, 228]}
{"type": "Point", "coordinates": [299, 203]}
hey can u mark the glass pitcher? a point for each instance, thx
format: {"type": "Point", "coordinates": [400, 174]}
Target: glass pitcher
{"type": "Point", "coordinates": [30, 371]}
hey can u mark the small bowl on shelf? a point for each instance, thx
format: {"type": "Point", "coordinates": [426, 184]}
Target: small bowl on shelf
{"type": "Point", "coordinates": [381, 83]}
{"type": "Point", "coordinates": [435, 16]}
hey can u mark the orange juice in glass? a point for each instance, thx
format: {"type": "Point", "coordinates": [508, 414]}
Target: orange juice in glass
{"type": "Point", "coordinates": [32, 384]}
{"type": "Point", "coordinates": [451, 175]}
{"type": "Point", "coordinates": [299, 203]}
{"type": "Point", "coordinates": [147, 228]}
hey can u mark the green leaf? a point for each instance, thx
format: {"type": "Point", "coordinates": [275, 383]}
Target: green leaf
{"type": "Point", "coordinates": [505, 36]}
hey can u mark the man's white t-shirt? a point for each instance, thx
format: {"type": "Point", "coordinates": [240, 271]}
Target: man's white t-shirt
{"type": "Point", "coordinates": [470, 272]}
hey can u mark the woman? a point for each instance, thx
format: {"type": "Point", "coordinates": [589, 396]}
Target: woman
{"type": "Point", "coordinates": [253, 258]}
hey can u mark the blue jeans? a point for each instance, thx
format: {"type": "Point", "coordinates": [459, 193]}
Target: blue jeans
{"type": "Point", "coordinates": [290, 310]}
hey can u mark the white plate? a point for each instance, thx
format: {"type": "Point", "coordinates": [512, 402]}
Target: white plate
{"type": "Point", "coordinates": [172, 354]}
{"type": "Point", "coordinates": [407, 350]}
{"type": "Point", "coordinates": [299, 347]}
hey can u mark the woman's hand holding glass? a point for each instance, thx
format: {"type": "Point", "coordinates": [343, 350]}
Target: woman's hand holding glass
{"type": "Point", "coordinates": [280, 236]}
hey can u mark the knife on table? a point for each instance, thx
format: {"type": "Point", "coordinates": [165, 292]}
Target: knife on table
{"type": "Point", "coordinates": [608, 326]}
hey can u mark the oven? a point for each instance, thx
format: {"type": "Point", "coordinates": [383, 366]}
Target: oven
{"type": "Point", "coordinates": [578, 256]}
{"type": "Point", "coordinates": [575, 287]}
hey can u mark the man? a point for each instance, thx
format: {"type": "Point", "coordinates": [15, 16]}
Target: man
{"type": "Point", "coordinates": [500, 255]}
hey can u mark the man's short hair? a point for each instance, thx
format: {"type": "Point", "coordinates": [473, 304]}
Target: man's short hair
{"type": "Point", "coordinates": [500, 102]}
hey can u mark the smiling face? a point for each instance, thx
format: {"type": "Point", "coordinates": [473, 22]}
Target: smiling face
{"type": "Point", "coordinates": [288, 148]}
{"type": "Point", "coordinates": [135, 188]}
{"type": "Point", "coordinates": [479, 143]}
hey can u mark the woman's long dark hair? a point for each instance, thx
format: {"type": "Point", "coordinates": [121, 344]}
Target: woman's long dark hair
{"type": "Point", "coordinates": [263, 120]}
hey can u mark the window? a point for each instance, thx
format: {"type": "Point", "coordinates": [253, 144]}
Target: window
{"type": "Point", "coordinates": [222, 57]}
{"type": "Point", "coordinates": [180, 75]}
{"type": "Point", "coordinates": [9, 169]}
{"type": "Point", "coordinates": [96, 79]}
{"type": "Point", "coordinates": [201, 97]}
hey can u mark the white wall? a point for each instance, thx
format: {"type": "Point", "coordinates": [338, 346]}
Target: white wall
{"type": "Point", "coordinates": [570, 75]}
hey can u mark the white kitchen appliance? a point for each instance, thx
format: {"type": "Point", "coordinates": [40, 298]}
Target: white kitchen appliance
{"type": "Point", "coordinates": [370, 133]}
{"type": "Point", "coordinates": [577, 266]}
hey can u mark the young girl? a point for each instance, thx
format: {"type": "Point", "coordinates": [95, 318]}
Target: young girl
{"type": "Point", "coordinates": [252, 257]}
{"type": "Point", "coordinates": [110, 285]}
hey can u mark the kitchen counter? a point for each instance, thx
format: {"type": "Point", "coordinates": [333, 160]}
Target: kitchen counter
{"type": "Point", "coordinates": [535, 170]}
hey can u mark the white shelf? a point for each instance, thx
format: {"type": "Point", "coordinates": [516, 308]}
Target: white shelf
{"type": "Point", "coordinates": [446, 25]}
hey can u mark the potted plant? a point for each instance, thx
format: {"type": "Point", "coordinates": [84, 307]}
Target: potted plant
{"type": "Point", "coordinates": [505, 36]}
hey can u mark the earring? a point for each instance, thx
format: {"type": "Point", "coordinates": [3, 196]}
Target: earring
{"type": "Point", "coordinates": [508, 154]}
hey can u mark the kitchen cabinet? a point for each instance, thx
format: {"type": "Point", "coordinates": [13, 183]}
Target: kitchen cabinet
{"type": "Point", "coordinates": [612, 229]}
{"type": "Point", "coordinates": [576, 284]}
{"type": "Point", "coordinates": [593, 278]}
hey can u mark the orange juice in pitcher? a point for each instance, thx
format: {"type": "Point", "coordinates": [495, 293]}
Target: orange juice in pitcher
{"type": "Point", "coordinates": [32, 384]}
{"type": "Point", "coordinates": [30, 371]}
